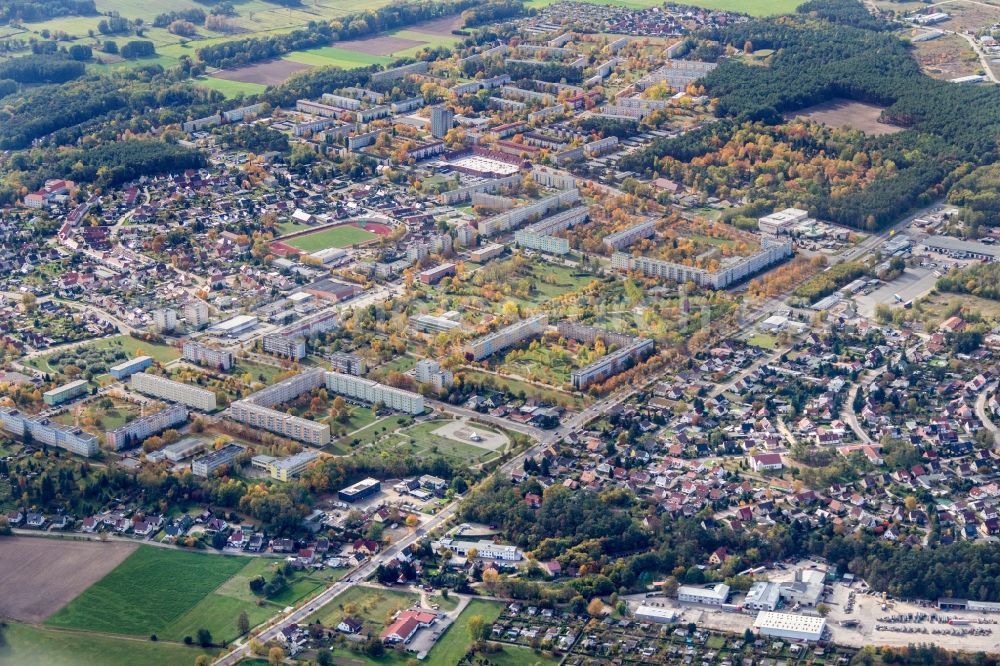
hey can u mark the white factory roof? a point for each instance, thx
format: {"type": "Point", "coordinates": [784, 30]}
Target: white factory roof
{"type": "Point", "coordinates": [762, 592]}
{"type": "Point", "coordinates": [790, 622]}
{"type": "Point", "coordinates": [718, 591]}
{"type": "Point", "coordinates": [655, 613]}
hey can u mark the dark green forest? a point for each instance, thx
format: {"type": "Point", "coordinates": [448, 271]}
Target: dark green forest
{"type": "Point", "coordinates": [41, 10]}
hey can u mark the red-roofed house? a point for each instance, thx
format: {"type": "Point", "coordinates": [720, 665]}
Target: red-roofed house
{"type": "Point", "coordinates": [766, 461]}
{"type": "Point", "coordinates": [406, 625]}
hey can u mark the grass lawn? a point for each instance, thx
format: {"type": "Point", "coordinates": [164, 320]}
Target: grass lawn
{"type": "Point", "coordinates": [763, 340]}
{"type": "Point", "coordinates": [372, 606]}
{"type": "Point", "coordinates": [456, 640]}
{"type": "Point", "coordinates": [104, 419]}
{"type": "Point", "coordinates": [128, 344]}
{"type": "Point", "coordinates": [148, 592]}
{"type": "Point", "coordinates": [332, 55]}
{"type": "Point", "coordinates": [361, 417]}
{"type": "Point", "coordinates": [431, 41]}
{"type": "Point", "coordinates": [937, 307]}
{"type": "Point", "coordinates": [549, 364]}
{"type": "Point", "coordinates": [516, 655]}
{"type": "Point", "coordinates": [133, 347]}
{"type": "Point", "coordinates": [230, 88]}
{"type": "Point", "coordinates": [448, 604]}
{"type": "Point", "coordinates": [420, 441]}
{"type": "Point", "coordinates": [342, 236]}
{"type": "Point", "coordinates": [27, 645]}
{"type": "Point", "coordinates": [371, 433]}
{"type": "Point", "coordinates": [256, 371]}
{"type": "Point", "coordinates": [289, 227]}
{"type": "Point", "coordinates": [398, 364]}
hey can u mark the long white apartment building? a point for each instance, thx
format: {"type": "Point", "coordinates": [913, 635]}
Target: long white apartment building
{"type": "Point", "coordinates": [212, 357]}
{"type": "Point", "coordinates": [732, 272]}
{"type": "Point", "coordinates": [43, 431]}
{"type": "Point", "coordinates": [484, 549]}
{"type": "Point", "coordinates": [369, 391]}
{"type": "Point", "coordinates": [487, 345]}
{"type": "Point", "coordinates": [518, 216]}
{"type": "Point", "coordinates": [134, 432]}
{"type": "Point", "coordinates": [465, 192]}
{"type": "Point", "coordinates": [348, 103]}
{"type": "Point", "coordinates": [622, 239]}
{"type": "Point", "coordinates": [290, 340]}
{"type": "Point", "coordinates": [631, 349]}
{"type": "Point", "coordinates": [286, 425]}
{"type": "Point", "coordinates": [168, 389]}
{"type": "Point", "coordinates": [257, 410]}
{"type": "Point", "coordinates": [287, 389]}
{"type": "Point", "coordinates": [539, 236]}
{"type": "Point", "coordinates": [284, 345]}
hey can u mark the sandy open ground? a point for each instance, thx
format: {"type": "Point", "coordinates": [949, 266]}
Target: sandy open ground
{"type": "Point", "coordinates": [844, 113]}
{"type": "Point", "coordinates": [269, 73]}
{"type": "Point", "coordinates": [441, 27]}
{"type": "Point", "coordinates": [462, 432]}
{"type": "Point", "coordinates": [381, 46]}
{"type": "Point", "coordinates": [40, 576]}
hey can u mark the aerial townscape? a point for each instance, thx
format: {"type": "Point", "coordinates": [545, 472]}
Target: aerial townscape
{"type": "Point", "coordinates": [499, 332]}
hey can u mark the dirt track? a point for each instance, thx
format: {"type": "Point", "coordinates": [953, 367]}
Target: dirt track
{"type": "Point", "coordinates": [40, 576]}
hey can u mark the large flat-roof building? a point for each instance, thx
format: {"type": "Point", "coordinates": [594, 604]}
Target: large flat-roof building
{"type": "Point", "coordinates": [168, 389]}
{"type": "Point", "coordinates": [956, 247]}
{"type": "Point", "coordinates": [257, 410]}
{"type": "Point", "coordinates": [286, 425]}
{"type": "Point", "coordinates": [350, 364]}
{"type": "Point", "coordinates": [712, 595]}
{"type": "Point", "coordinates": [284, 469]}
{"type": "Point", "coordinates": [234, 327]}
{"type": "Point", "coordinates": [487, 345]}
{"type": "Point", "coordinates": [134, 432]}
{"type": "Point", "coordinates": [372, 392]}
{"type": "Point", "coordinates": [212, 357]}
{"type": "Point", "coordinates": [284, 345]}
{"type": "Point", "coordinates": [130, 367]}
{"type": "Point", "coordinates": [762, 596]}
{"type": "Point", "coordinates": [656, 614]}
{"type": "Point", "coordinates": [207, 464]}
{"type": "Point", "coordinates": [43, 431]}
{"type": "Point", "coordinates": [185, 448]}
{"type": "Point", "coordinates": [433, 324]}
{"type": "Point", "coordinates": [790, 626]}
{"type": "Point", "coordinates": [782, 221]}
{"type": "Point", "coordinates": [64, 393]}
{"type": "Point", "coordinates": [734, 270]}
{"type": "Point", "coordinates": [484, 549]}
{"type": "Point", "coordinates": [622, 239]}
{"type": "Point", "coordinates": [361, 490]}
{"type": "Point", "coordinates": [631, 349]}
{"type": "Point", "coordinates": [515, 217]}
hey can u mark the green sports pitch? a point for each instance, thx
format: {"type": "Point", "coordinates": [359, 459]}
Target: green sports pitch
{"type": "Point", "coordinates": [341, 236]}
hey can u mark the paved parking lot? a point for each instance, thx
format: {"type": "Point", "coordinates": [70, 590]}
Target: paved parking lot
{"type": "Point", "coordinates": [912, 283]}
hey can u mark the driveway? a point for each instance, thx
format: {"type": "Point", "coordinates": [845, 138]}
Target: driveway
{"type": "Point", "coordinates": [426, 638]}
